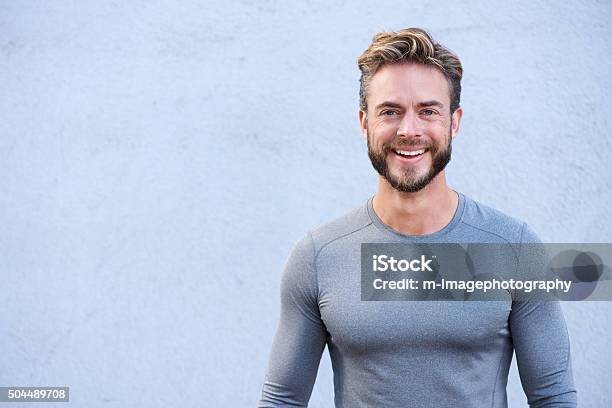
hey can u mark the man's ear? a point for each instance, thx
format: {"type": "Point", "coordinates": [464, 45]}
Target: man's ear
{"type": "Point", "coordinates": [456, 121]}
{"type": "Point", "coordinates": [363, 123]}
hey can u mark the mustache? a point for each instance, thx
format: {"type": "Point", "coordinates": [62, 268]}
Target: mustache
{"type": "Point", "coordinates": [395, 145]}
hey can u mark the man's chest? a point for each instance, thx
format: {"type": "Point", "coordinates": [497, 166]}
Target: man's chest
{"type": "Point", "coordinates": [366, 326]}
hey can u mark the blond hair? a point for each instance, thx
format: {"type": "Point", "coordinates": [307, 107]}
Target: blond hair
{"type": "Point", "coordinates": [408, 45]}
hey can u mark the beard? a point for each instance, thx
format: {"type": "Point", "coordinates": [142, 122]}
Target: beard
{"type": "Point", "coordinates": [409, 181]}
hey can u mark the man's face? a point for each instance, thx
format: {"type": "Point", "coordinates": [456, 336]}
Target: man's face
{"type": "Point", "coordinates": [408, 125]}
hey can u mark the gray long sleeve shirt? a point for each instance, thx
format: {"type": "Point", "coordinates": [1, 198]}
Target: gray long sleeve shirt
{"type": "Point", "coordinates": [414, 353]}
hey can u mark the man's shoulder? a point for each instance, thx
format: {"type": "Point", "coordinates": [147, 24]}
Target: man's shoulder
{"type": "Point", "coordinates": [343, 226]}
{"type": "Point", "coordinates": [495, 223]}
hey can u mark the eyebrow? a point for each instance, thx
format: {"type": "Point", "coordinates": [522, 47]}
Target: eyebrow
{"type": "Point", "coordinates": [389, 104]}
{"type": "Point", "coordinates": [433, 102]}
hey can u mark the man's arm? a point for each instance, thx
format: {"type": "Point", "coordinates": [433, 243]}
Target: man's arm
{"type": "Point", "coordinates": [300, 336]}
{"type": "Point", "coordinates": [542, 347]}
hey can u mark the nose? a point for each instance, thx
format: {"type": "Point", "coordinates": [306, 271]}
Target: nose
{"type": "Point", "coordinates": [409, 126]}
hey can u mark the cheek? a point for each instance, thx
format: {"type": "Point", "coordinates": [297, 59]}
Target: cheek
{"type": "Point", "coordinates": [438, 130]}
{"type": "Point", "coordinates": [442, 125]}
{"type": "Point", "coordinates": [383, 130]}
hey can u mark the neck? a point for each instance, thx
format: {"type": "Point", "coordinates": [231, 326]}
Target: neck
{"type": "Point", "coordinates": [420, 213]}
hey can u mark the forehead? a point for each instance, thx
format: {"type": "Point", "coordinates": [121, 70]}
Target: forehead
{"type": "Point", "coordinates": [408, 83]}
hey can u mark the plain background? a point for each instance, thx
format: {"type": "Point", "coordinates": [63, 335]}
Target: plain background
{"type": "Point", "coordinates": [159, 159]}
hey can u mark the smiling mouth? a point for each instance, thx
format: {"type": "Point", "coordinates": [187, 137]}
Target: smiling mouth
{"type": "Point", "coordinates": [409, 153]}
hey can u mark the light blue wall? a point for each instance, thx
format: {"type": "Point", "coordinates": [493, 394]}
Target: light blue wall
{"type": "Point", "coordinates": [159, 159]}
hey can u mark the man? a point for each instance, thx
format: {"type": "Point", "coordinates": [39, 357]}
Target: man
{"type": "Point", "coordinates": [412, 353]}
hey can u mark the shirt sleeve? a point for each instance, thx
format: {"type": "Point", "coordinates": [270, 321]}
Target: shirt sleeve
{"type": "Point", "coordinates": [542, 348]}
{"type": "Point", "coordinates": [301, 334]}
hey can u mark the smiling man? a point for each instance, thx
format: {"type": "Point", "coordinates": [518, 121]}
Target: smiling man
{"type": "Point", "coordinates": [412, 353]}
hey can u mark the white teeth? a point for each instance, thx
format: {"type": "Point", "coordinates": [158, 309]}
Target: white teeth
{"type": "Point", "coordinates": [407, 153]}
